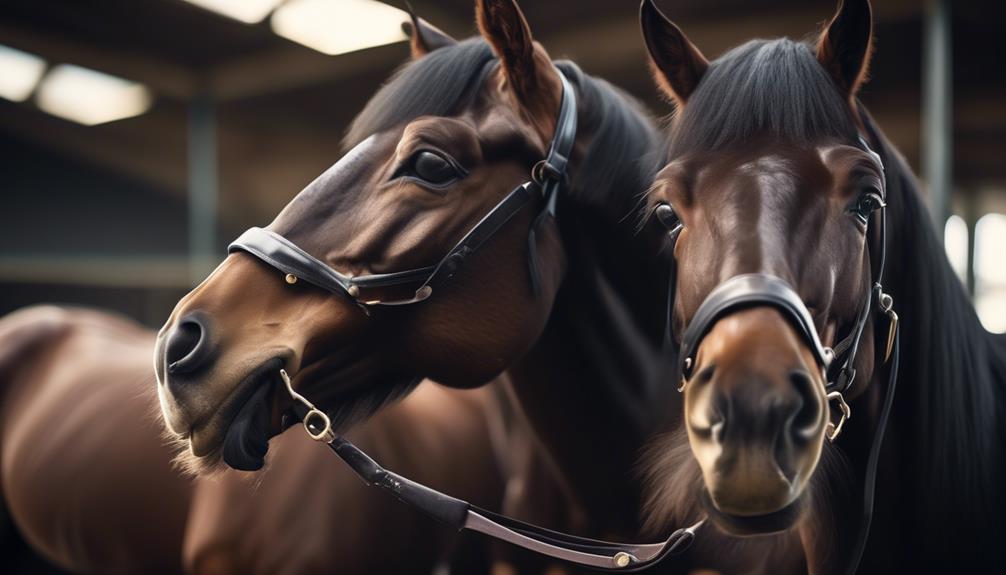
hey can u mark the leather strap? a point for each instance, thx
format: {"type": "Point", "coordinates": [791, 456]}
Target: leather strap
{"type": "Point", "coordinates": [550, 173]}
{"type": "Point", "coordinates": [415, 284]}
{"type": "Point", "coordinates": [460, 514]}
{"type": "Point", "coordinates": [744, 291]}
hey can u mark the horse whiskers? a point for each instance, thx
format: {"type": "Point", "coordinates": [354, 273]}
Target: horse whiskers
{"type": "Point", "coordinates": [210, 465]}
{"type": "Point", "coordinates": [830, 483]}
{"type": "Point", "coordinates": [671, 477]}
{"type": "Point", "coordinates": [183, 461]}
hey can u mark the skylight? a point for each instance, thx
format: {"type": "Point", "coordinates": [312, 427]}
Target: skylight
{"type": "Point", "coordinates": [89, 97]}
{"type": "Point", "coordinates": [19, 73]}
{"type": "Point", "coordinates": [247, 11]}
{"type": "Point", "coordinates": [339, 26]}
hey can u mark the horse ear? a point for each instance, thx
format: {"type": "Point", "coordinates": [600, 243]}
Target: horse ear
{"type": "Point", "coordinates": [845, 45]}
{"type": "Point", "coordinates": [503, 25]}
{"type": "Point", "coordinates": [424, 37]}
{"type": "Point", "coordinates": [677, 64]}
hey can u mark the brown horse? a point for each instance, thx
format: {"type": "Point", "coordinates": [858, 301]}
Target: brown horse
{"type": "Point", "coordinates": [571, 307]}
{"type": "Point", "coordinates": [771, 175]}
{"type": "Point", "coordinates": [88, 481]}
{"type": "Point", "coordinates": [87, 477]}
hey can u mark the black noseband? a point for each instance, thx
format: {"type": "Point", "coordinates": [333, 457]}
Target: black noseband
{"type": "Point", "coordinates": [745, 291]}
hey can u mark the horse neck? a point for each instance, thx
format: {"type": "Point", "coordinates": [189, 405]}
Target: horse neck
{"type": "Point", "coordinates": [945, 424]}
{"type": "Point", "coordinates": [597, 361]}
{"type": "Point", "coordinates": [590, 384]}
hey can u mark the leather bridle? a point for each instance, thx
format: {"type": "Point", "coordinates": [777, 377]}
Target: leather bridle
{"type": "Point", "coordinates": [416, 285]}
{"type": "Point", "coordinates": [764, 290]}
{"type": "Point", "coordinates": [837, 363]}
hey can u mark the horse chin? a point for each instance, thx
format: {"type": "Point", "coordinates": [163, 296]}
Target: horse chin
{"type": "Point", "coordinates": [754, 525]}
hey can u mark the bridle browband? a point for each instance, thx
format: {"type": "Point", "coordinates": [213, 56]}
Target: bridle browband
{"type": "Point", "coordinates": [837, 363]}
{"type": "Point", "coordinates": [416, 285]}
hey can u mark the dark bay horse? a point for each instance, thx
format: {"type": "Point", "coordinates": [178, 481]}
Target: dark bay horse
{"type": "Point", "coordinates": [571, 307]}
{"type": "Point", "coordinates": [779, 178]}
{"type": "Point", "coordinates": [87, 476]}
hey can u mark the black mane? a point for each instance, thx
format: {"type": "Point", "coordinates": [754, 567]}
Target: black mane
{"type": "Point", "coordinates": [948, 418]}
{"type": "Point", "coordinates": [626, 150]}
{"type": "Point", "coordinates": [440, 83]}
{"type": "Point", "coordinates": [772, 88]}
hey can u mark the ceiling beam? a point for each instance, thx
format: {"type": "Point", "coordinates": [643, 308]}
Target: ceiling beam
{"type": "Point", "coordinates": [164, 78]}
{"type": "Point", "coordinates": [610, 44]}
{"type": "Point", "coordinates": [293, 67]}
{"type": "Point", "coordinates": [149, 148]}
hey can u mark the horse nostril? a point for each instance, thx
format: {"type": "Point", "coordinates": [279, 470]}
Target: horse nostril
{"type": "Point", "coordinates": [188, 346]}
{"type": "Point", "coordinates": [805, 423]}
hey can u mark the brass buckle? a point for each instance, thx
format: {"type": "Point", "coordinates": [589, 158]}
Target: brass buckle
{"type": "Point", "coordinates": [686, 373]}
{"type": "Point", "coordinates": [316, 422]}
{"type": "Point", "coordinates": [833, 430]}
{"type": "Point", "coordinates": [887, 306]}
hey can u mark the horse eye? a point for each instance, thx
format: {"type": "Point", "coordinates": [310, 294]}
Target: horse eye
{"type": "Point", "coordinates": [667, 216]}
{"type": "Point", "coordinates": [868, 203]}
{"type": "Point", "coordinates": [433, 168]}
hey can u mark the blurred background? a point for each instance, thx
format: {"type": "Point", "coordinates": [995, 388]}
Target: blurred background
{"type": "Point", "coordinates": [137, 137]}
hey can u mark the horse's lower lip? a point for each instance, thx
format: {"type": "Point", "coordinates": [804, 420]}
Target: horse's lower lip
{"type": "Point", "coordinates": [773, 522]}
{"type": "Point", "coordinates": [208, 437]}
{"type": "Point", "coordinates": [203, 444]}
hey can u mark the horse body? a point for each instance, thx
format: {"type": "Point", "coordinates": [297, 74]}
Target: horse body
{"type": "Point", "coordinates": [88, 477]}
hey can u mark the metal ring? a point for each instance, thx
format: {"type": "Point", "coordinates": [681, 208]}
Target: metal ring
{"type": "Point", "coordinates": [317, 419]}
{"type": "Point", "coordinates": [543, 170]}
{"type": "Point", "coordinates": [686, 373]}
{"type": "Point", "coordinates": [833, 430]}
